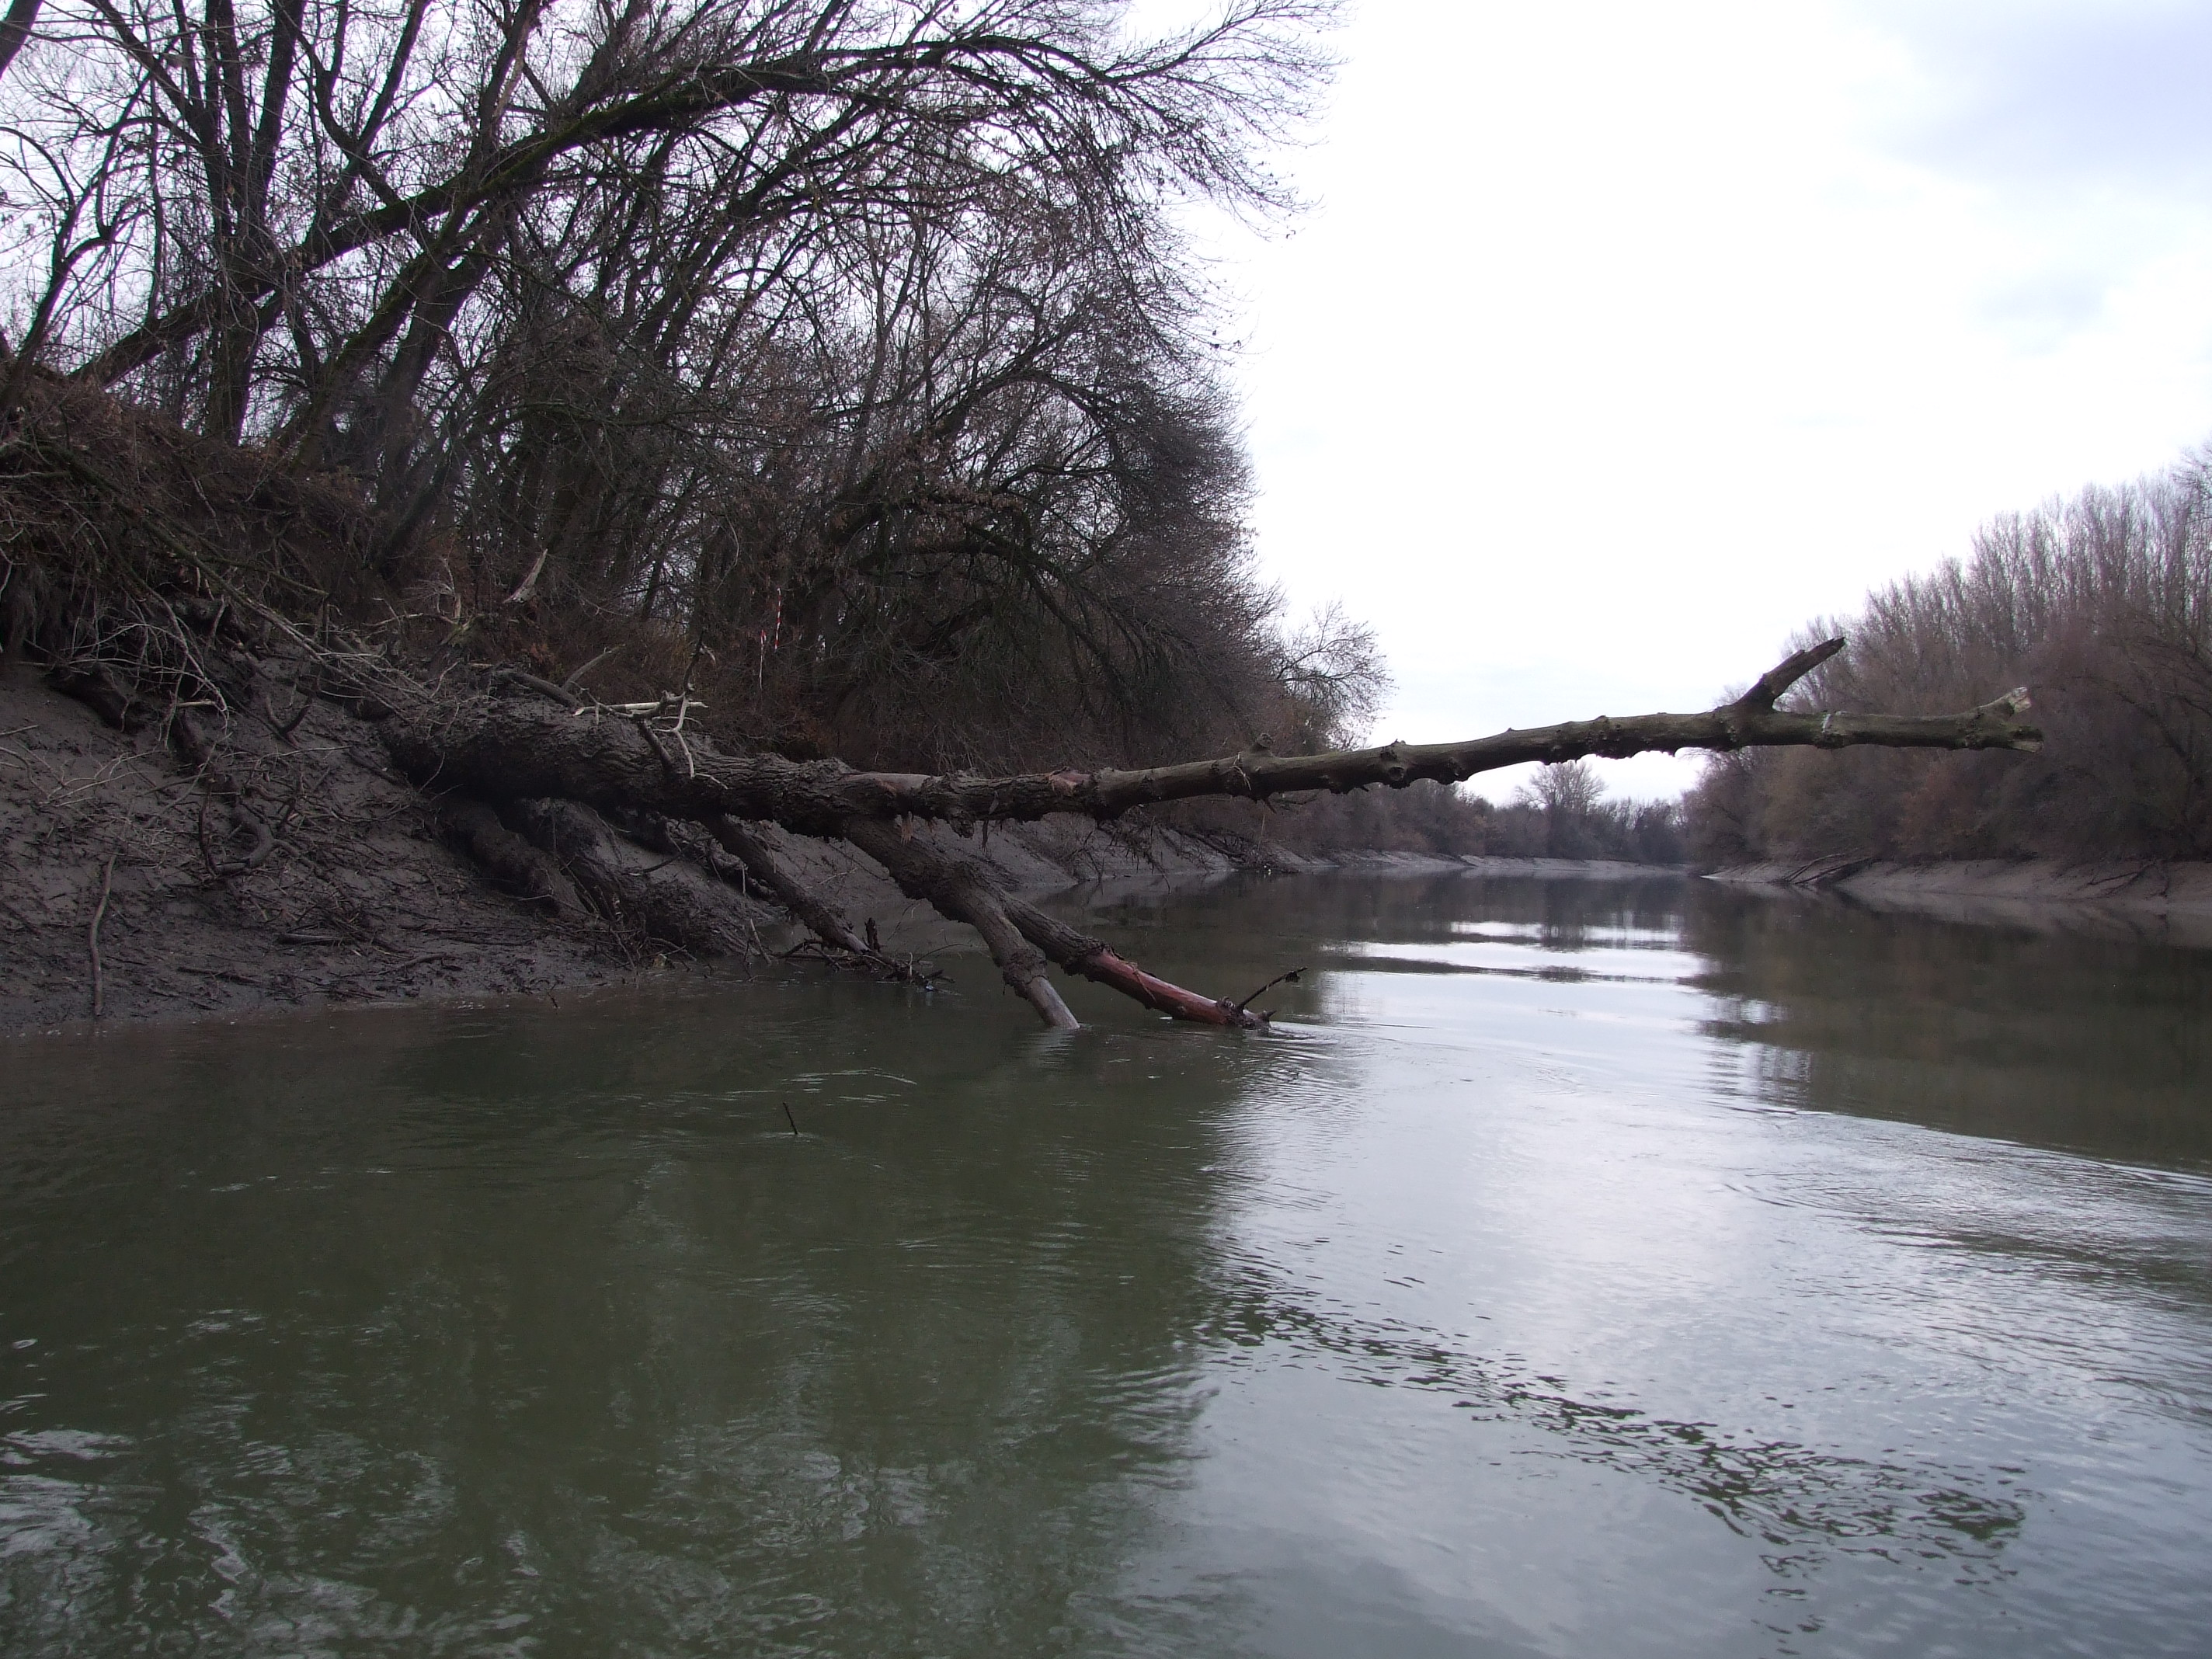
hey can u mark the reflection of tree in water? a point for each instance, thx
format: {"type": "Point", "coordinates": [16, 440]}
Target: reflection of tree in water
{"type": "Point", "coordinates": [1803, 1505]}
{"type": "Point", "coordinates": [2059, 1040]}
{"type": "Point", "coordinates": [1258, 927]}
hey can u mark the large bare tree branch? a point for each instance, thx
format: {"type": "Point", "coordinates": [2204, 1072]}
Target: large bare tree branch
{"type": "Point", "coordinates": [517, 745]}
{"type": "Point", "coordinates": [515, 171]}
{"type": "Point", "coordinates": [961, 890]}
{"type": "Point", "coordinates": [511, 745]}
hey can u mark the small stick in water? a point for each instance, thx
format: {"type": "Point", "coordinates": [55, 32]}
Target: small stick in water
{"type": "Point", "coordinates": [92, 937]}
{"type": "Point", "coordinates": [1279, 979]}
{"type": "Point", "coordinates": [789, 1119]}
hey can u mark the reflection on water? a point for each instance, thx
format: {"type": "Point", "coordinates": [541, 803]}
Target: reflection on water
{"type": "Point", "coordinates": [1622, 1268]}
{"type": "Point", "coordinates": [2098, 1044]}
{"type": "Point", "coordinates": [1803, 1503]}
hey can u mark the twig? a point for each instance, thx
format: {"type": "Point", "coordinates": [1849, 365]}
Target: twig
{"type": "Point", "coordinates": [576, 679]}
{"type": "Point", "coordinates": [92, 937]}
{"type": "Point", "coordinates": [307, 703]}
{"type": "Point", "coordinates": [789, 1119]}
{"type": "Point", "coordinates": [221, 973]}
{"type": "Point", "coordinates": [667, 766]}
{"type": "Point", "coordinates": [1290, 978]}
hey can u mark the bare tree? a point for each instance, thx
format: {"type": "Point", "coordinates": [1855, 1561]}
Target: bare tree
{"type": "Point", "coordinates": [1332, 675]}
{"type": "Point", "coordinates": [2105, 603]}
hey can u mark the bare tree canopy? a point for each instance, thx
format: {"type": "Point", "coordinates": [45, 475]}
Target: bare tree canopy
{"type": "Point", "coordinates": [2103, 602]}
{"type": "Point", "coordinates": [855, 340]}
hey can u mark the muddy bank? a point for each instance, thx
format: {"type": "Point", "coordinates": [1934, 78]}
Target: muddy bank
{"type": "Point", "coordinates": [120, 882]}
{"type": "Point", "coordinates": [121, 879]}
{"type": "Point", "coordinates": [2167, 902]}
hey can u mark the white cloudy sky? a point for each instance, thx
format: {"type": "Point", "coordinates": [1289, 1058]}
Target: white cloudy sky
{"type": "Point", "coordinates": [1622, 339]}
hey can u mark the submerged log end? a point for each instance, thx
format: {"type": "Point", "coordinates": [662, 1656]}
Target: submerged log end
{"type": "Point", "coordinates": [1117, 973]}
{"type": "Point", "coordinates": [1037, 989]}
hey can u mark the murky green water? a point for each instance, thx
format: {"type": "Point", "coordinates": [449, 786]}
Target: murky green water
{"type": "Point", "coordinates": [1577, 1270]}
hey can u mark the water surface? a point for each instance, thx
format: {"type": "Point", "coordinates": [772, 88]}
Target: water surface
{"type": "Point", "coordinates": [1576, 1269]}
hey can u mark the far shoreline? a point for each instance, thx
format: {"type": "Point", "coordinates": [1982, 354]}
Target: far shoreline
{"type": "Point", "coordinates": [2154, 901]}
{"type": "Point", "coordinates": [2134, 900]}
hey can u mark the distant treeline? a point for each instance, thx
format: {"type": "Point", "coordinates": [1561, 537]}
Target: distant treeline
{"type": "Point", "coordinates": [2102, 606]}
{"type": "Point", "coordinates": [1560, 813]}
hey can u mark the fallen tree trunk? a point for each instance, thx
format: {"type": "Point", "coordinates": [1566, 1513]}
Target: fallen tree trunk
{"type": "Point", "coordinates": [515, 743]}
{"type": "Point", "coordinates": [522, 739]}
{"type": "Point", "coordinates": [507, 751]}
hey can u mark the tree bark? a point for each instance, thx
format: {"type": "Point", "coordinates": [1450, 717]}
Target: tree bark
{"type": "Point", "coordinates": [517, 742]}
{"type": "Point", "coordinates": [528, 870]}
{"type": "Point", "coordinates": [16, 30]}
{"type": "Point", "coordinates": [812, 912]}
{"type": "Point", "coordinates": [669, 903]}
{"type": "Point", "coordinates": [959, 890]}
{"type": "Point", "coordinates": [953, 883]}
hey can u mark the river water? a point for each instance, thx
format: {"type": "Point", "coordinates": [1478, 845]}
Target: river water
{"type": "Point", "coordinates": [1577, 1268]}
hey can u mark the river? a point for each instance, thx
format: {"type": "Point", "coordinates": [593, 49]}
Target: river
{"type": "Point", "coordinates": [1576, 1268]}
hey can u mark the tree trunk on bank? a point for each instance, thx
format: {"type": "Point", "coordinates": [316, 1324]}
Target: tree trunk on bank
{"type": "Point", "coordinates": [559, 767]}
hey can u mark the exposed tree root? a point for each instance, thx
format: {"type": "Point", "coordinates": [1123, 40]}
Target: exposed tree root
{"type": "Point", "coordinates": [672, 902]}
{"type": "Point", "coordinates": [816, 913]}
{"type": "Point", "coordinates": [508, 859]}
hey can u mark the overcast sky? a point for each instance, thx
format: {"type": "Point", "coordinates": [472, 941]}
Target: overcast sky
{"type": "Point", "coordinates": [1623, 339]}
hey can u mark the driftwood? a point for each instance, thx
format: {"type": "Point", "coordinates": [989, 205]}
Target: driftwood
{"type": "Point", "coordinates": [522, 739]}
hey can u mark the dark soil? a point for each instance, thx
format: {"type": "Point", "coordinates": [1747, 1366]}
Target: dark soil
{"type": "Point", "coordinates": [363, 896]}
{"type": "Point", "coordinates": [360, 899]}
